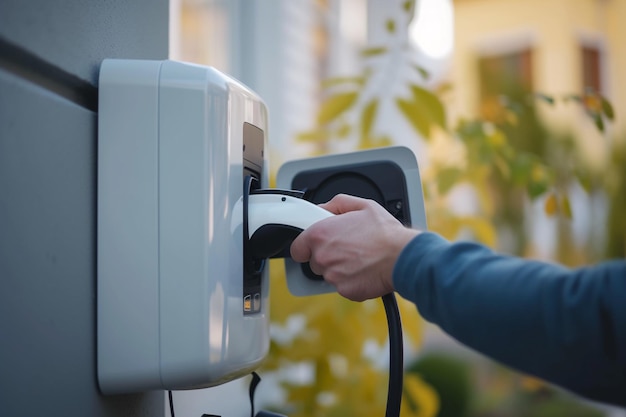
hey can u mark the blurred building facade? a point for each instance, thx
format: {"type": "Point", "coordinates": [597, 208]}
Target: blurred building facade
{"type": "Point", "coordinates": [556, 47]}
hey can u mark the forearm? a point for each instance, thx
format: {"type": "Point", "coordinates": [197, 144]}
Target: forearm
{"type": "Point", "coordinates": [567, 326]}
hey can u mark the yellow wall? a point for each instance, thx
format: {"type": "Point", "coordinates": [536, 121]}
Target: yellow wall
{"type": "Point", "coordinates": [554, 30]}
{"type": "Point", "coordinates": [616, 33]}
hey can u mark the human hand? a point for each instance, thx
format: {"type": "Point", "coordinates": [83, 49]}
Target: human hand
{"type": "Point", "coordinates": [355, 250]}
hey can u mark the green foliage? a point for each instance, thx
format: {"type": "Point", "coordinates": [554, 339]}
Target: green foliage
{"type": "Point", "coordinates": [450, 377]}
{"type": "Point", "coordinates": [367, 118]}
{"type": "Point", "coordinates": [423, 110]}
{"type": "Point", "coordinates": [334, 106]}
{"type": "Point", "coordinates": [370, 52]}
{"type": "Point", "coordinates": [597, 107]}
{"type": "Point", "coordinates": [614, 182]}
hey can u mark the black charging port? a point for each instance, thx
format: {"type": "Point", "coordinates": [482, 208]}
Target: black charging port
{"type": "Point", "coordinates": [381, 181]}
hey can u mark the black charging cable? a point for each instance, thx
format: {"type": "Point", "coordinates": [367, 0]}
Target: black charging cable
{"type": "Point", "coordinates": [171, 401]}
{"type": "Point", "coordinates": [253, 384]}
{"type": "Point", "coordinates": [396, 353]}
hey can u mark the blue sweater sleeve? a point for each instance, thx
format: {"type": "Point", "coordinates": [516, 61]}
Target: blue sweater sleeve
{"type": "Point", "coordinates": [567, 326]}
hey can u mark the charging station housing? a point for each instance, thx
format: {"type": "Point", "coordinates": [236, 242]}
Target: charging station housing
{"type": "Point", "coordinates": [175, 141]}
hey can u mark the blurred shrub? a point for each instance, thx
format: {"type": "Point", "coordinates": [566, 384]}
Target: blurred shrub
{"type": "Point", "coordinates": [450, 377]}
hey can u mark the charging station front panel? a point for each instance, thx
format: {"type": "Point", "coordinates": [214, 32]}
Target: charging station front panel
{"type": "Point", "coordinates": [253, 161]}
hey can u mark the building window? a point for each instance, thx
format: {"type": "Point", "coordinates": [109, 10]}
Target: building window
{"type": "Point", "coordinates": [506, 91]}
{"type": "Point", "coordinates": [591, 79]}
{"type": "Point", "coordinates": [507, 75]}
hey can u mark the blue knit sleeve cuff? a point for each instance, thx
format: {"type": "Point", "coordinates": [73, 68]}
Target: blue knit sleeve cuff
{"type": "Point", "coordinates": [410, 265]}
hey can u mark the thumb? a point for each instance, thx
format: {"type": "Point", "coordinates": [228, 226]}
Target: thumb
{"type": "Point", "coordinates": [343, 203]}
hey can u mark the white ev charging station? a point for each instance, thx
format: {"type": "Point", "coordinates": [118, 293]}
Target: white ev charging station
{"type": "Point", "coordinates": [186, 221]}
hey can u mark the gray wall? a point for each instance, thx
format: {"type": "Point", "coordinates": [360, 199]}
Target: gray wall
{"type": "Point", "coordinates": [50, 52]}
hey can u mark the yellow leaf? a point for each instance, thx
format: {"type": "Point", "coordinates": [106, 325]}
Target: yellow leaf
{"type": "Point", "coordinates": [497, 138]}
{"type": "Point", "coordinates": [483, 229]}
{"type": "Point", "coordinates": [532, 384]}
{"type": "Point", "coordinates": [503, 167]}
{"type": "Point", "coordinates": [408, 6]}
{"type": "Point", "coordinates": [607, 109]}
{"type": "Point", "coordinates": [592, 102]}
{"type": "Point", "coordinates": [538, 173]}
{"type": "Point", "coordinates": [368, 117]}
{"type": "Point", "coordinates": [566, 207]}
{"type": "Point", "coordinates": [423, 111]}
{"type": "Point", "coordinates": [373, 51]}
{"type": "Point", "coordinates": [550, 205]}
{"type": "Point", "coordinates": [391, 26]}
{"type": "Point", "coordinates": [421, 395]}
{"type": "Point", "coordinates": [334, 81]}
{"type": "Point", "coordinates": [448, 178]}
{"type": "Point", "coordinates": [412, 324]}
{"type": "Point", "coordinates": [344, 130]}
{"type": "Point", "coordinates": [334, 106]}
{"type": "Point", "coordinates": [375, 142]}
{"type": "Point", "coordinates": [318, 135]}
{"type": "Point", "coordinates": [412, 112]}
{"type": "Point", "coordinates": [431, 105]}
{"type": "Point", "coordinates": [511, 118]}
